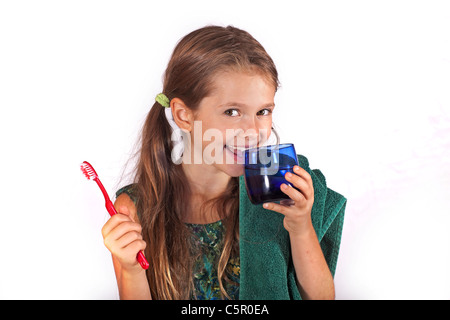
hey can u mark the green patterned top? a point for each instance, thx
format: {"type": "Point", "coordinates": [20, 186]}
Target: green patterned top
{"type": "Point", "coordinates": [206, 243]}
{"type": "Point", "coordinates": [207, 238]}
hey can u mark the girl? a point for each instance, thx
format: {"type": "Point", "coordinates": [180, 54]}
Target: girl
{"type": "Point", "coordinates": [183, 211]}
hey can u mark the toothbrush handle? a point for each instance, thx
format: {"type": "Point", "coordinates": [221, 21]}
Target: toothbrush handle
{"type": "Point", "coordinates": [140, 256]}
{"type": "Point", "coordinates": [110, 207]}
{"type": "Point", "coordinates": [142, 261]}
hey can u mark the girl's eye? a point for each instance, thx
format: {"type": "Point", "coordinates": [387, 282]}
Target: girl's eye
{"type": "Point", "coordinates": [264, 112]}
{"type": "Point", "coordinates": [232, 112]}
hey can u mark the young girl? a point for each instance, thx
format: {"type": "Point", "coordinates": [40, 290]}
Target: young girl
{"type": "Point", "coordinates": [183, 211]}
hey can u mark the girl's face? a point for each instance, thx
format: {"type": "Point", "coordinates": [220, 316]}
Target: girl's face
{"type": "Point", "coordinates": [237, 115]}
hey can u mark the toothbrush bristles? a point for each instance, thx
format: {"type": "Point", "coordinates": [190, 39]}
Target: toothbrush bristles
{"type": "Point", "coordinates": [88, 170]}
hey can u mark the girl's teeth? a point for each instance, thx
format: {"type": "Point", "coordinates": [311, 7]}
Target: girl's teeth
{"type": "Point", "coordinates": [239, 149]}
{"type": "Point", "coordinates": [239, 152]}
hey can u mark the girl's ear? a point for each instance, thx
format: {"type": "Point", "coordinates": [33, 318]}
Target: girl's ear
{"type": "Point", "coordinates": [182, 115]}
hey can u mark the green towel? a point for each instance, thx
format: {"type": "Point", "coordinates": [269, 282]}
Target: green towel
{"type": "Point", "coordinates": [267, 270]}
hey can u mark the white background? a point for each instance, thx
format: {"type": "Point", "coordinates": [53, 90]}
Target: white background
{"type": "Point", "coordinates": [365, 96]}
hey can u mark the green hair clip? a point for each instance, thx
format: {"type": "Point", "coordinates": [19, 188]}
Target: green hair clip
{"type": "Point", "coordinates": [163, 100]}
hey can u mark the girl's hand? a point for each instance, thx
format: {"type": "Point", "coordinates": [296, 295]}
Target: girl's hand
{"type": "Point", "coordinates": [122, 236]}
{"type": "Point", "coordinates": [297, 211]}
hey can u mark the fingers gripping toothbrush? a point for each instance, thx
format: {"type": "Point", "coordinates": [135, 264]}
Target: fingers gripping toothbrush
{"type": "Point", "coordinates": [90, 173]}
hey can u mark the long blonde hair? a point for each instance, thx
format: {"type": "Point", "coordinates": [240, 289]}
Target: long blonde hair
{"type": "Point", "coordinates": [160, 185]}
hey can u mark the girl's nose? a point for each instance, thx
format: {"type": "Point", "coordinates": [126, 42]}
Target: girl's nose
{"type": "Point", "coordinates": [249, 126]}
{"type": "Point", "coordinates": [250, 133]}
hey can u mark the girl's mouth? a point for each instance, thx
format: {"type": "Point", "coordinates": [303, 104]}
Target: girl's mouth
{"type": "Point", "coordinates": [237, 152]}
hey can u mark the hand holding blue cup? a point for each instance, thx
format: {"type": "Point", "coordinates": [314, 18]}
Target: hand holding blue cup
{"type": "Point", "coordinates": [264, 171]}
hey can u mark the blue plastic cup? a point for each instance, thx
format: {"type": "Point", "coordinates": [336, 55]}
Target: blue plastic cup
{"type": "Point", "coordinates": [264, 171]}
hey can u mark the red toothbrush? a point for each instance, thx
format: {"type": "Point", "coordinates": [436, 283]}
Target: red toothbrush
{"type": "Point", "coordinates": [90, 173]}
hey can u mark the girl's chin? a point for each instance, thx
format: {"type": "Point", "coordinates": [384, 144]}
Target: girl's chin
{"type": "Point", "coordinates": [233, 170]}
